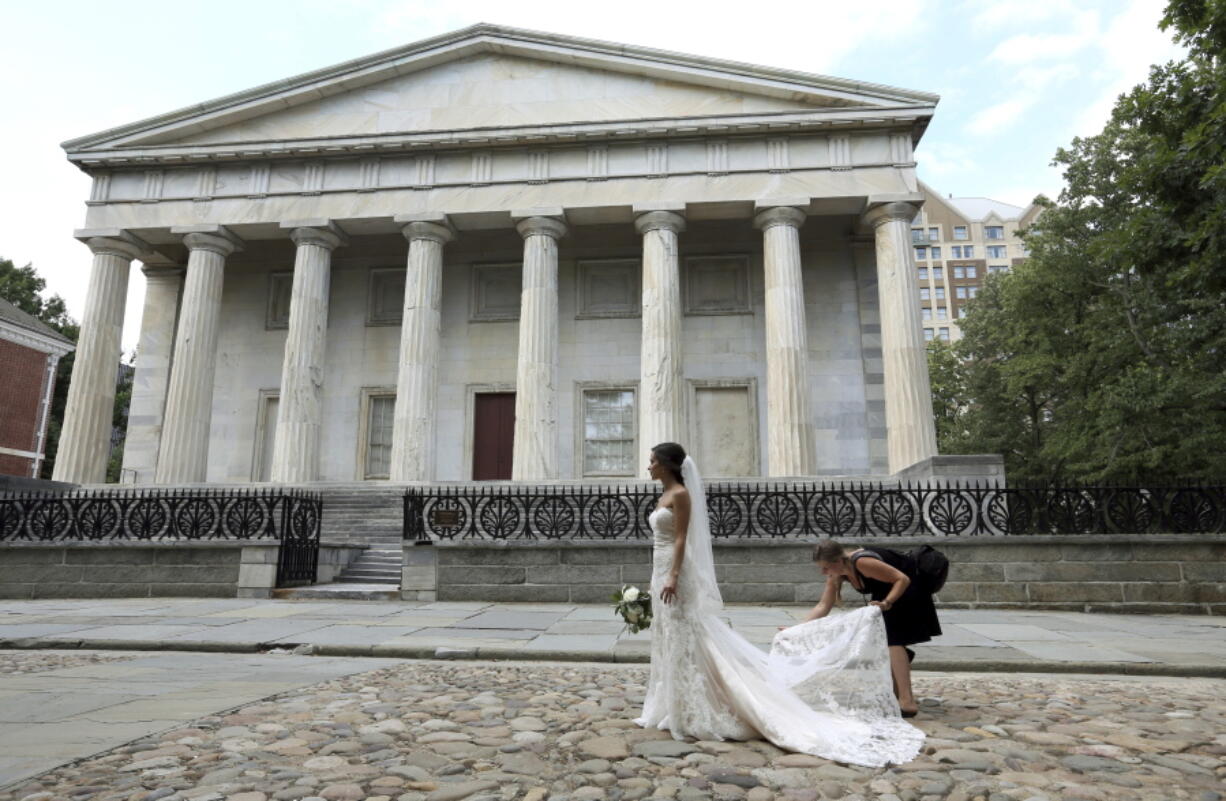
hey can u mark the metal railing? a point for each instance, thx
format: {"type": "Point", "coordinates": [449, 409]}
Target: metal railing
{"type": "Point", "coordinates": [809, 510]}
{"type": "Point", "coordinates": [290, 516]}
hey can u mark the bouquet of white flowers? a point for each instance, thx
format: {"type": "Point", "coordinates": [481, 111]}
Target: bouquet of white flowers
{"type": "Point", "coordinates": [634, 606]}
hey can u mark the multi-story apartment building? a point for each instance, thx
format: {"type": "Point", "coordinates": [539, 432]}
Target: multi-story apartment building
{"type": "Point", "coordinates": [958, 241]}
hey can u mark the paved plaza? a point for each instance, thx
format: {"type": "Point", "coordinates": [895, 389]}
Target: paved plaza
{"type": "Point", "coordinates": [974, 639]}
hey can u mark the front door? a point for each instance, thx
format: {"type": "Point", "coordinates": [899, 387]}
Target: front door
{"type": "Point", "coordinates": [493, 435]}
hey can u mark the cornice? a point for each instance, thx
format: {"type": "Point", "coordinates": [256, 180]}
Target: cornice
{"type": "Point", "coordinates": [34, 340]}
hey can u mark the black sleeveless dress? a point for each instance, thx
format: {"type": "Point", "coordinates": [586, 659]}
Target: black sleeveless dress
{"type": "Point", "coordinates": [913, 618]}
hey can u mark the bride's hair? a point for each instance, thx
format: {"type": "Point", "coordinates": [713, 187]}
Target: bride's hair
{"type": "Point", "coordinates": [670, 455]}
{"type": "Point", "coordinates": [828, 551]}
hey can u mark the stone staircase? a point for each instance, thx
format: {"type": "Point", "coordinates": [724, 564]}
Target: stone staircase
{"type": "Point", "coordinates": [371, 516]}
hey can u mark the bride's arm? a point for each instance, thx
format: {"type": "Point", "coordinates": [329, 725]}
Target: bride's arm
{"type": "Point", "coordinates": [681, 525]}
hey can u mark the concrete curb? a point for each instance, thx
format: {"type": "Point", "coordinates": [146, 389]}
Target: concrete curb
{"type": "Point", "coordinates": [426, 651]}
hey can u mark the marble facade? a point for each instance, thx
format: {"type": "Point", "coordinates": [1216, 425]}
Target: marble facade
{"type": "Point", "coordinates": [497, 210]}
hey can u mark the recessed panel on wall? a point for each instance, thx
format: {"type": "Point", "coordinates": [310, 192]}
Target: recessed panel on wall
{"type": "Point", "coordinates": [717, 285]}
{"type": "Point", "coordinates": [496, 292]}
{"type": "Point", "coordinates": [385, 296]}
{"type": "Point", "coordinates": [280, 290]}
{"type": "Point", "coordinates": [725, 429]}
{"type": "Point", "coordinates": [609, 288]}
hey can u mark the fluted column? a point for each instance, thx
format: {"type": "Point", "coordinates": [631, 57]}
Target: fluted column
{"type": "Point", "coordinates": [183, 456]}
{"type": "Point", "coordinates": [535, 452]}
{"type": "Point", "coordinates": [789, 429]}
{"type": "Point", "coordinates": [152, 376]}
{"type": "Point", "coordinates": [910, 428]}
{"type": "Point", "coordinates": [85, 440]}
{"type": "Point", "coordinates": [413, 423]}
{"type": "Point", "coordinates": [661, 400]}
{"type": "Point", "coordinates": [295, 456]}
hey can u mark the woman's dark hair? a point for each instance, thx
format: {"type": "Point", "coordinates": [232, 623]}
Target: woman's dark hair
{"type": "Point", "coordinates": [828, 551]}
{"type": "Point", "coordinates": [670, 455]}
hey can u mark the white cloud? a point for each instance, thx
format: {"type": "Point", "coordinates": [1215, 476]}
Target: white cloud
{"type": "Point", "coordinates": [998, 117]}
{"type": "Point", "coordinates": [1015, 13]}
{"type": "Point", "coordinates": [942, 159]}
{"type": "Point", "coordinates": [1025, 48]}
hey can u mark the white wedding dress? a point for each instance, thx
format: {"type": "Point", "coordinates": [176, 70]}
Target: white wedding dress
{"type": "Point", "coordinates": [824, 689]}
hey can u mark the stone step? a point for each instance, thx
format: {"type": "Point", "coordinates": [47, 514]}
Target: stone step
{"type": "Point", "coordinates": [346, 579]}
{"type": "Point", "coordinates": [342, 592]}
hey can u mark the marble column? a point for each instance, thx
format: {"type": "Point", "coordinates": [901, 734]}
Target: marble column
{"type": "Point", "coordinates": [789, 430]}
{"type": "Point", "coordinates": [149, 383]}
{"type": "Point", "coordinates": [661, 396]}
{"type": "Point", "coordinates": [184, 452]}
{"type": "Point", "coordinates": [85, 440]}
{"type": "Point", "coordinates": [413, 423]}
{"type": "Point", "coordinates": [910, 428]}
{"type": "Point", "coordinates": [535, 453]}
{"type": "Point", "coordinates": [295, 457]}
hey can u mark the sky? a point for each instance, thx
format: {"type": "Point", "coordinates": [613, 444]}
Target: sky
{"type": "Point", "coordinates": [1017, 78]}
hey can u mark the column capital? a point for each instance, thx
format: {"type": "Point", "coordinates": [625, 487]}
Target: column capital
{"type": "Point", "coordinates": [659, 220]}
{"type": "Point", "coordinates": [215, 238]}
{"type": "Point", "coordinates": [540, 222]}
{"type": "Point", "coordinates": [320, 232]}
{"type": "Point", "coordinates": [431, 227]}
{"type": "Point", "coordinates": [113, 242]}
{"type": "Point", "coordinates": [889, 208]}
{"type": "Point", "coordinates": [779, 215]}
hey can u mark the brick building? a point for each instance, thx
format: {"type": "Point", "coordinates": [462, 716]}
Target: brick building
{"type": "Point", "coordinates": [29, 353]}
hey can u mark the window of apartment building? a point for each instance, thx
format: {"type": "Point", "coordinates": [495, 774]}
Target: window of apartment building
{"type": "Point", "coordinates": [928, 334]}
{"type": "Point", "coordinates": [959, 271]}
{"type": "Point", "coordinates": [924, 293]}
{"type": "Point", "coordinates": [921, 254]}
{"type": "Point", "coordinates": [926, 313]}
{"type": "Point", "coordinates": [968, 251]}
{"type": "Point", "coordinates": [971, 271]}
{"type": "Point", "coordinates": [998, 268]}
{"type": "Point", "coordinates": [934, 234]}
{"type": "Point", "coordinates": [923, 273]}
{"type": "Point", "coordinates": [961, 312]}
{"type": "Point", "coordinates": [608, 432]}
{"type": "Point", "coordinates": [940, 293]}
{"type": "Point", "coordinates": [917, 235]}
{"type": "Point", "coordinates": [934, 252]}
{"type": "Point", "coordinates": [955, 252]}
{"type": "Point", "coordinates": [944, 334]}
{"type": "Point", "coordinates": [996, 251]}
{"type": "Point", "coordinates": [972, 291]}
{"type": "Point", "coordinates": [938, 273]}
{"type": "Point", "coordinates": [960, 291]}
{"type": "Point", "coordinates": [960, 232]}
{"type": "Point", "coordinates": [942, 313]}
{"type": "Point", "coordinates": [994, 232]}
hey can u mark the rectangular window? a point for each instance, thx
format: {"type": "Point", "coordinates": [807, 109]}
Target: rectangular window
{"type": "Point", "coordinates": [940, 293]}
{"type": "Point", "coordinates": [938, 273]}
{"type": "Point", "coordinates": [923, 273]}
{"type": "Point", "coordinates": [280, 287]}
{"type": "Point", "coordinates": [934, 234]}
{"type": "Point", "coordinates": [970, 271]}
{"type": "Point", "coordinates": [994, 232]}
{"type": "Point", "coordinates": [944, 334]}
{"type": "Point", "coordinates": [955, 251]}
{"type": "Point", "coordinates": [917, 234]}
{"type": "Point", "coordinates": [959, 271]}
{"type": "Point", "coordinates": [934, 252]}
{"type": "Point", "coordinates": [921, 254]}
{"type": "Point", "coordinates": [926, 313]}
{"type": "Point", "coordinates": [972, 291]}
{"type": "Point", "coordinates": [385, 296]}
{"type": "Point", "coordinates": [942, 314]}
{"type": "Point", "coordinates": [924, 293]}
{"type": "Point", "coordinates": [996, 251]}
{"type": "Point", "coordinates": [928, 334]}
{"type": "Point", "coordinates": [961, 312]}
{"type": "Point", "coordinates": [608, 432]}
{"type": "Point", "coordinates": [998, 268]}
{"type": "Point", "coordinates": [960, 291]}
{"type": "Point", "coordinates": [968, 251]}
{"type": "Point", "coordinates": [960, 232]}
{"type": "Point", "coordinates": [379, 435]}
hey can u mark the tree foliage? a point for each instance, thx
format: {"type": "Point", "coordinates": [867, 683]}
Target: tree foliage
{"type": "Point", "coordinates": [1103, 357]}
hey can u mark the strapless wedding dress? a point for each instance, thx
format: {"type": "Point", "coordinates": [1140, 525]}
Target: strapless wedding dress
{"type": "Point", "coordinates": [824, 689]}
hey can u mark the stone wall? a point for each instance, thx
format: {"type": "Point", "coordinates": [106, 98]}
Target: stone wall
{"type": "Point", "coordinates": [1144, 574]}
{"type": "Point", "coordinates": [150, 569]}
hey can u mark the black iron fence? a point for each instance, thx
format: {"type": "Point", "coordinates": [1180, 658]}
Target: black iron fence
{"type": "Point", "coordinates": [808, 510]}
{"type": "Point", "coordinates": [290, 516]}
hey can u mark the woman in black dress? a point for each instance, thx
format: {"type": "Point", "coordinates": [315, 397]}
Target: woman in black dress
{"type": "Point", "coordinates": [908, 612]}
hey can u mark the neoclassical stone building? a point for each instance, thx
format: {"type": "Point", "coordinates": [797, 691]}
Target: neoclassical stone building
{"type": "Point", "coordinates": [507, 254]}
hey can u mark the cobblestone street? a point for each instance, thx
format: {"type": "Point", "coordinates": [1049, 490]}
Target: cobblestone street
{"type": "Point", "coordinates": [442, 731]}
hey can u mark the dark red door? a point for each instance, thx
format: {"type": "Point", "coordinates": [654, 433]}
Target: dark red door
{"type": "Point", "coordinates": [493, 435]}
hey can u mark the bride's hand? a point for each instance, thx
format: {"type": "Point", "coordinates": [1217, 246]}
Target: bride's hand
{"type": "Point", "coordinates": [669, 593]}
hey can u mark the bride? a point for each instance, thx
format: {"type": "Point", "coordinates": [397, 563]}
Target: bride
{"type": "Point", "coordinates": [824, 689]}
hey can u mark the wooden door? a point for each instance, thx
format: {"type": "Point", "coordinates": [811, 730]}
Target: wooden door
{"type": "Point", "coordinates": [493, 435]}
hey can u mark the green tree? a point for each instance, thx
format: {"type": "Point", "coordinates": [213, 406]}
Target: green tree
{"type": "Point", "coordinates": [947, 374]}
{"type": "Point", "coordinates": [119, 419]}
{"type": "Point", "coordinates": [1103, 357]}
{"type": "Point", "coordinates": [23, 287]}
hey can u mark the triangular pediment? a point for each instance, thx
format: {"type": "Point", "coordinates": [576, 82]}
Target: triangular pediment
{"type": "Point", "coordinates": [492, 78]}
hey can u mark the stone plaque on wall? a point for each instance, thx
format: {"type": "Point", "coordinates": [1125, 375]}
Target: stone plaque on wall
{"type": "Point", "coordinates": [385, 299]}
{"type": "Point", "coordinates": [609, 288]}
{"type": "Point", "coordinates": [496, 291]}
{"type": "Point", "coordinates": [717, 285]}
{"type": "Point", "coordinates": [280, 289]}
